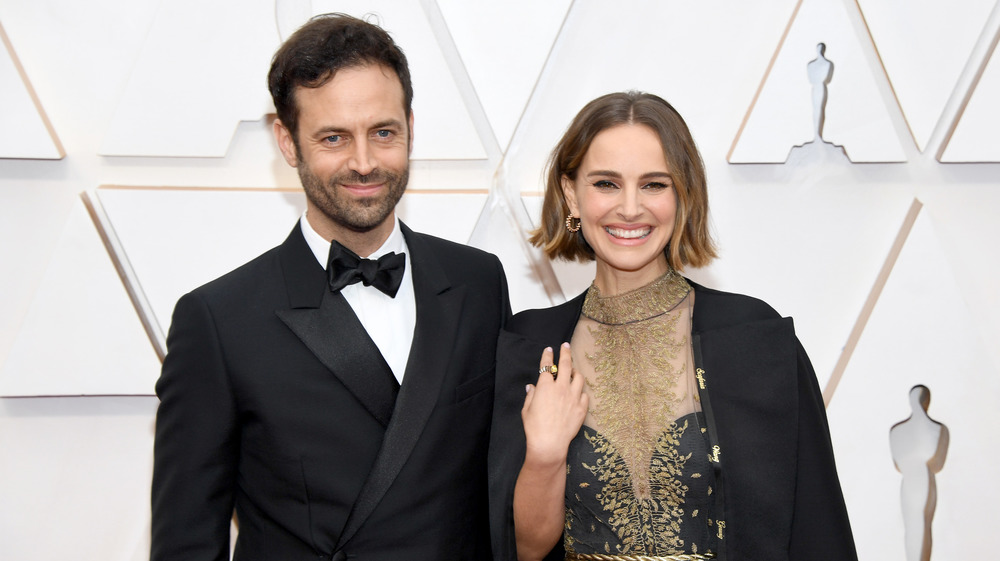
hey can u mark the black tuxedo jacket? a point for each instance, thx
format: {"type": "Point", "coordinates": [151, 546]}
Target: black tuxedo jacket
{"type": "Point", "coordinates": [274, 401]}
{"type": "Point", "coordinates": [779, 493]}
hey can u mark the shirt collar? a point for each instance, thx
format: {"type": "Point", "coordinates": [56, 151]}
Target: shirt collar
{"type": "Point", "coordinates": [321, 248]}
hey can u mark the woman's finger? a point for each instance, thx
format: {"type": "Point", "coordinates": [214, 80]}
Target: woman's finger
{"type": "Point", "coordinates": [545, 366]}
{"type": "Point", "coordinates": [565, 364]}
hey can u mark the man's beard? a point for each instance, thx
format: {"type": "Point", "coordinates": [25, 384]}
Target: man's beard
{"type": "Point", "coordinates": [358, 215]}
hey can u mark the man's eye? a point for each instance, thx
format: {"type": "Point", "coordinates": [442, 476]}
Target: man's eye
{"type": "Point", "coordinates": [383, 133]}
{"type": "Point", "coordinates": [333, 139]}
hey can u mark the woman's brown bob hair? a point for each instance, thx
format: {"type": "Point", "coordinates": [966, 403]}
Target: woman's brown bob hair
{"type": "Point", "coordinates": [690, 243]}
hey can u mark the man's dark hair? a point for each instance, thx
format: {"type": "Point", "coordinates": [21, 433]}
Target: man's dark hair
{"type": "Point", "coordinates": [316, 51]}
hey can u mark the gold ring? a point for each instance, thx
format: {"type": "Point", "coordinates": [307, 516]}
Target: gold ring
{"type": "Point", "coordinates": [549, 368]}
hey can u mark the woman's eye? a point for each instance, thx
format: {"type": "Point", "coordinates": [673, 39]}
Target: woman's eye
{"type": "Point", "coordinates": [656, 186]}
{"type": "Point", "coordinates": [605, 184]}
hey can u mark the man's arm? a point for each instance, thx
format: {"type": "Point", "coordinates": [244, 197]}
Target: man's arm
{"type": "Point", "coordinates": [197, 442]}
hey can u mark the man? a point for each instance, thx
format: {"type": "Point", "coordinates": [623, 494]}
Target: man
{"type": "Point", "coordinates": [339, 421]}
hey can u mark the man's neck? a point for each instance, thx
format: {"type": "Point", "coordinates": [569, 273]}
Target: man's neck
{"type": "Point", "coordinates": [361, 243]}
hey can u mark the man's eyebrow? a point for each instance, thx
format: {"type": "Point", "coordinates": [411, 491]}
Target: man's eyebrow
{"type": "Point", "coordinates": [388, 124]}
{"type": "Point", "coordinates": [336, 129]}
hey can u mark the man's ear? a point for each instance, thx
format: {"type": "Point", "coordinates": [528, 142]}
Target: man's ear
{"type": "Point", "coordinates": [286, 143]}
{"type": "Point", "coordinates": [410, 150]}
{"type": "Point", "coordinates": [569, 193]}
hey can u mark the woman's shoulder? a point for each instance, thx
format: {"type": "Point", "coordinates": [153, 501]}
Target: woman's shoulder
{"type": "Point", "coordinates": [716, 308]}
{"type": "Point", "coordinates": [541, 321]}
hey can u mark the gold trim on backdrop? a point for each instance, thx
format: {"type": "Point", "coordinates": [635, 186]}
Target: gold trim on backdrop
{"type": "Point", "coordinates": [125, 272]}
{"type": "Point", "coordinates": [873, 296]}
{"type": "Point", "coordinates": [34, 96]}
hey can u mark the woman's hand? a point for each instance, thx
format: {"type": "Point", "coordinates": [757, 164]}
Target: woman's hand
{"type": "Point", "coordinates": [553, 413]}
{"type": "Point", "coordinates": [554, 409]}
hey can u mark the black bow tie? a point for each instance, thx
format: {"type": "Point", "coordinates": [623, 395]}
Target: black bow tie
{"type": "Point", "coordinates": [347, 268]}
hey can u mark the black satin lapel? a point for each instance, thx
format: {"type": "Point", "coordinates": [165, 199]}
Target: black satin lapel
{"type": "Point", "coordinates": [335, 335]}
{"type": "Point", "coordinates": [439, 309]}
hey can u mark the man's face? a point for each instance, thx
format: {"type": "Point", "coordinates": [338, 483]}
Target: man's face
{"type": "Point", "coordinates": [353, 151]}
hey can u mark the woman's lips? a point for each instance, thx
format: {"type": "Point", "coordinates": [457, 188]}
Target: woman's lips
{"type": "Point", "coordinates": [626, 233]}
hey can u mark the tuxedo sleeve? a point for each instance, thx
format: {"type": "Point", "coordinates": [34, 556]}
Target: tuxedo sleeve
{"type": "Point", "coordinates": [820, 525]}
{"type": "Point", "coordinates": [197, 441]}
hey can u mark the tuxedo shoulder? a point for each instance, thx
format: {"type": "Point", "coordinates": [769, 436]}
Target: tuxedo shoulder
{"type": "Point", "coordinates": [717, 308]}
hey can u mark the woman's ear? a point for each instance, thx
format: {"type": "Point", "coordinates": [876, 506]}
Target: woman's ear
{"type": "Point", "coordinates": [569, 193]}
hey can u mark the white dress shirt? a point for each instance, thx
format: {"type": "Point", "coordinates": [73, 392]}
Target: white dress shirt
{"type": "Point", "coordinates": [388, 321]}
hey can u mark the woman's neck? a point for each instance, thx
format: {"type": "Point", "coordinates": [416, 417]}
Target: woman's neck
{"type": "Point", "coordinates": [611, 281]}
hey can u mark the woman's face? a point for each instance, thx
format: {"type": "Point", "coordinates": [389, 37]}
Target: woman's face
{"type": "Point", "coordinates": [624, 196]}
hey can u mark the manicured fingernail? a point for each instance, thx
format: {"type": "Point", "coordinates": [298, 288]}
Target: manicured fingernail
{"type": "Point", "coordinates": [565, 345]}
{"type": "Point", "coordinates": [527, 388]}
{"type": "Point", "coordinates": [549, 349]}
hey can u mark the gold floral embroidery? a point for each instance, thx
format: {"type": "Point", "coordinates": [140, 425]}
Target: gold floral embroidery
{"type": "Point", "coordinates": [643, 526]}
{"type": "Point", "coordinates": [636, 344]}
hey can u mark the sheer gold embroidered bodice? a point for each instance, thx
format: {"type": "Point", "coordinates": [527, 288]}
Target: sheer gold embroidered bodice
{"type": "Point", "coordinates": [639, 482]}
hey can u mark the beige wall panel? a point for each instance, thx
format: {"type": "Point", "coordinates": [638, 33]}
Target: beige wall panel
{"type": "Point", "coordinates": [919, 334]}
{"type": "Point", "coordinates": [81, 335]}
{"type": "Point", "coordinates": [857, 116]}
{"type": "Point", "coordinates": [924, 45]}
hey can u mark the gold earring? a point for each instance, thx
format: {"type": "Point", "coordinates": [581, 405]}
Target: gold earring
{"type": "Point", "coordinates": [569, 223]}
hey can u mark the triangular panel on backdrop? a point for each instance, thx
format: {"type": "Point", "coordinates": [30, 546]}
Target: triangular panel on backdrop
{"type": "Point", "coordinates": [447, 214]}
{"type": "Point", "coordinates": [924, 46]}
{"type": "Point", "coordinates": [572, 277]}
{"type": "Point", "coordinates": [918, 333]}
{"type": "Point", "coordinates": [25, 130]}
{"type": "Point", "coordinates": [965, 221]}
{"type": "Point", "coordinates": [782, 115]}
{"type": "Point", "coordinates": [975, 137]}
{"type": "Point", "coordinates": [174, 240]}
{"type": "Point", "coordinates": [504, 52]}
{"type": "Point", "coordinates": [201, 70]}
{"type": "Point", "coordinates": [81, 334]}
{"type": "Point", "coordinates": [529, 276]}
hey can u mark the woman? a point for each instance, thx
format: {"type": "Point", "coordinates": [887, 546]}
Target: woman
{"type": "Point", "coordinates": [679, 422]}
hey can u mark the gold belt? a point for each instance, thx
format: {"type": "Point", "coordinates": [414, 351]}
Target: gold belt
{"type": "Point", "coordinates": [602, 557]}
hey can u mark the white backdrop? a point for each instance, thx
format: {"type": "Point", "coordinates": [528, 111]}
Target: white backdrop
{"type": "Point", "coordinates": [160, 112]}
